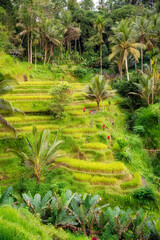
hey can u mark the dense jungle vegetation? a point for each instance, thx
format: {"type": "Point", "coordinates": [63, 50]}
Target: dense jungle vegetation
{"type": "Point", "coordinates": [79, 119]}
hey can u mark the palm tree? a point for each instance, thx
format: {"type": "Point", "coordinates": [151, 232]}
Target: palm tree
{"type": "Point", "coordinates": [98, 90]}
{"type": "Point", "coordinates": [27, 24]}
{"type": "Point", "coordinates": [100, 24]}
{"type": "Point", "coordinates": [5, 106]}
{"type": "Point", "coordinates": [143, 30]}
{"type": "Point", "coordinates": [144, 88]}
{"type": "Point", "coordinates": [49, 31]}
{"type": "Point", "coordinates": [38, 153]}
{"type": "Point", "coordinates": [123, 41]}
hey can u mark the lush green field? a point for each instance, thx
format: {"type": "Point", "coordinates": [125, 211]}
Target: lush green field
{"type": "Point", "coordinates": [91, 162]}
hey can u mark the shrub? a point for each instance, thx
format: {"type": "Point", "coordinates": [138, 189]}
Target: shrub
{"type": "Point", "coordinates": [103, 180]}
{"type": "Point", "coordinates": [96, 146]}
{"type": "Point", "coordinates": [144, 194]}
{"type": "Point", "coordinates": [60, 97]}
{"type": "Point", "coordinates": [134, 183]}
{"type": "Point", "coordinates": [79, 72]}
{"type": "Point", "coordinates": [149, 119]}
{"type": "Point", "coordinates": [113, 167]}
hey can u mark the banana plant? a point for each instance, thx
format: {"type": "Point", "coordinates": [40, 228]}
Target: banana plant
{"type": "Point", "coordinates": [154, 227]}
{"type": "Point", "coordinates": [37, 204]}
{"type": "Point", "coordinates": [115, 222]}
{"type": "Point", "coordinates": [84, 209]}
{"type": "Point", "coordinates": [6, 198]}
{"type": "Point", "coordinates": [60, 216]}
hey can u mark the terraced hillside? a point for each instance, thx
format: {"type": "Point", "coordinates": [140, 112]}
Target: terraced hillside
{"type": "Point", "coordinates": [89, 152]}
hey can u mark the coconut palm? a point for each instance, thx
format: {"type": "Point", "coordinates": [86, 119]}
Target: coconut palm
{"type": "Point", "coordinates": [38, 153]}
{"type": "Point", "coordinates": [123, 41]}
{"type": "Point", "coordinates": [5, 106]}
{"type": "Point", "coordinates": [98, 90]}
{"type": "Point", "coordinates": [27, 24]}
{"type": "Point", "coordinates": [49, 36]}
{"type": "Point", "coordinates": [100, 24]}
{"type": "Point", "coordinates": [143, 30]}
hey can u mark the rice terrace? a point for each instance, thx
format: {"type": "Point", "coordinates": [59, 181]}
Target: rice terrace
{"type": "Point", "coordinates": [79, 120]}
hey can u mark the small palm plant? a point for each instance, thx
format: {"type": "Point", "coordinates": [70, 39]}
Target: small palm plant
{"type": "Point", "coordinates": [6, 85]}
{"type": "Point", "coordinates": [144, 88]}
{"type": "Point", "coordinates": [98, 90]}
{"type": "Point", "coordinates": [38, 153]}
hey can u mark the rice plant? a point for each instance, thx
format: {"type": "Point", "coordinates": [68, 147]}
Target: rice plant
{"type": "Point", "coordinates": [103, 180]}
{"type": "Point", "coordinates": [95, 145]}
{"type": "Point", "coordinates": [134, 183]}
{"type": "Point", "coordinates": [113, 167]}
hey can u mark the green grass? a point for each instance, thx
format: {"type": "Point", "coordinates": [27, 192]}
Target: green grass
{"type": "Point", "coordinates": [134, 183]}
{"type": "Point", "coordinates": [113, 167]}
{"type": "Point", "coordinates": [22, 225]}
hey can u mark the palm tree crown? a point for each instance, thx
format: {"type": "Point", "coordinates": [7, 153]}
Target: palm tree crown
{"type": "Point", "coordinates": [38, 154]}
{"type": "Point", "coordinates": [98, 90]}
{"type": "Point", "coordinates": [124, 43]}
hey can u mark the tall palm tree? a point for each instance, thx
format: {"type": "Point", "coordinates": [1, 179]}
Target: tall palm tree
{"type": "Point", "coordinates": [100, 24]}
{"type": "Point", "coordinates": [38, 153]}
{"type": "Point", "coordinates": [98, 90]}
{"type": "Point", "coordinates": [27, 23]}
{"type": "Point", "coordinates": [123, 41]}
{"type": "Point", "coordinates": [5, 106]}
{"type": "Point", "coordinates": [144, 33]}
{"type": "Point", "coordinates": [49, 35]}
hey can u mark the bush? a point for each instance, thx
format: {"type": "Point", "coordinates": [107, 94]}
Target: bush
{"type": "Point", "coordinates": [134, 183]}
{"type": "Point", "coordinates": [79, 72]}
{"type": "Point", "coordinates": [124, 87]}
{"type": "Point", "coordinates": [149, 120]}
{"type": "Point", "coordinates": [60, 97]}
{"type": "Point", "coordinates": [144, 194]}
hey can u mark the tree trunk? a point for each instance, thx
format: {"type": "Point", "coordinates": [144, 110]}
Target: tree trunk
{"type": "Point", "coordinates": [45, 55]}
{"type": "Point", "coordinates": [35, 58]}
{"type": "Point", "coordinates": [75, 46]}
{"type": "Point", "coordinates": [151, 64]}
{"type": "Point", "coordinates": [31, 41]}
{"type": "Point", "coordinates": [126, 61]}
{"type": "Point", "coordinates": [101, 52]}
{"type": "Point", "coordinates": [79, 47]}
{"type": "Point", "coordinates": [98, 106]}
{"type": "Point", "coordinates": [135, 66]}
{"type": "Point", "coordinates": [142, 59]}
{"type": "Point", "coordinates": [28, 49]}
